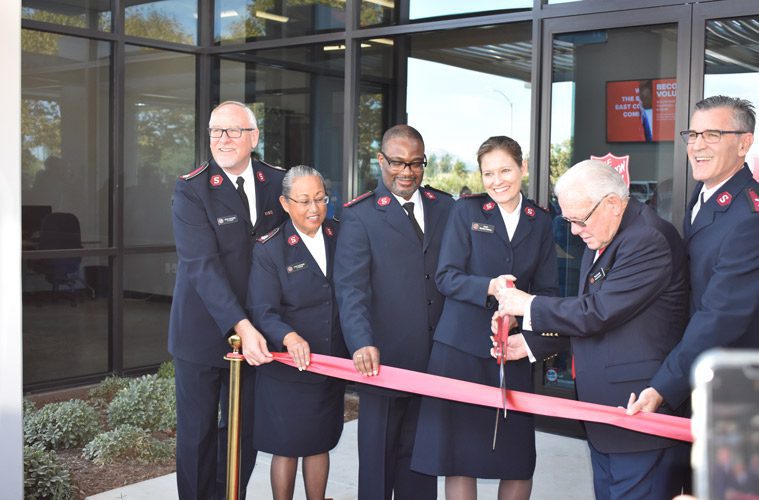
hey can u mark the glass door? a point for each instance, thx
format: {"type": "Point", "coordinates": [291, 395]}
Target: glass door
{"type": "Point", "coordinates": [613, 84]}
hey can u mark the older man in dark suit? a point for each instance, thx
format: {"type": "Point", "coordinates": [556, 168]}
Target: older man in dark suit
{"type": "Point", "coordinates": [629, 314]}
{"type": "Point", "coordinates": [721, 230]}
{"type": "Point", "coordinates": [385, 263]}
{"type": "Point", "coordinates": [218, 211]}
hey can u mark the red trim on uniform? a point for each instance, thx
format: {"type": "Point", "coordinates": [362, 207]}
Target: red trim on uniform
{"type": "Point", "coordinates": [384, 201]}
{"type": "Point", "coordinates": [329, 231]}
{"type": "Point", "coordinates": [724, 199]}
{"type": "Point", "coordinates": [429, 196]}
{"type": "Point", "coordinates": [754, 199]}
{"type": "Point", "coordinates": [260, 176]}
{"type": "Point", "coordinates": [488, 206]}
{"type": "Point", "coordinates": [216, 180]}
{"type": "Point", "coordinates": [293, 240]}
{"type": "Point", "coordinates": [529, 211]}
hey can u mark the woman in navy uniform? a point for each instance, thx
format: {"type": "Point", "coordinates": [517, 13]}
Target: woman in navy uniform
{"type": "Point", "coordinates": [488, 235]}
{"type": "Point", "coordinates": [292, 302]}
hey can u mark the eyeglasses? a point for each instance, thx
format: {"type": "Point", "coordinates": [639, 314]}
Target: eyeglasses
{"type": "Point", "coordinates": [232, 133]}
{"type": "Point", "coordinates": [583, 222]}
{"type": "Point", "coordinates": [307, 203]}
{"type": "Point", "coordinates": [710, 136]}
{"type": "Point", "coordinates": [398, 166]}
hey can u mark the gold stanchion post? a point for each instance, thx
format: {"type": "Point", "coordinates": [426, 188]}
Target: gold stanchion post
{"type": "Point", "coordinates": [233, 419]}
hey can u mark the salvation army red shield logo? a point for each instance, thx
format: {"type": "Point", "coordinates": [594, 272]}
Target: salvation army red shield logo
{"type": "Point", "coordinates": [384, 201]}
{"type": "Point", "coordinates": [529, 211]}
{"type": "Point", "coordinates": [488, 206]}
{"type": "Point", "coordinates": [429, 196]}
{"type": "Point", "coordinates": [620, 163]}
{"type": "Point", "coordinates": [216, 180]}
{"type": "Point", "coordinates": [260, 176]}
{"type": "Point", "coordinates": [329, 231]}
{"type": "Point", "coordinates": [724, 198]}
{"type": "Point", "coordinates": [293, 240]}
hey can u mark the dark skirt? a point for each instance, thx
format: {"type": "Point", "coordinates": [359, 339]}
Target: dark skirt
{"type": "Point", "coordinates": [455, 439]}
{"type": "Point", "coordinates": [294, 419]}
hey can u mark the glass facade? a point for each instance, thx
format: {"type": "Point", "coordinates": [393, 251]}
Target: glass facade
{"type": "Point", "coordinates": [115, 106]}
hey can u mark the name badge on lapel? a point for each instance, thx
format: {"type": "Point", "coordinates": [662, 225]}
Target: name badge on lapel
{"type": "Point", "coordinates": [227, 219]}
{"type": "Point", "coordinates": [483, 228]}
{"type": "Point", "coordinates": [294, 268]}
{"type": "Point", "coordinates": [601, 274]}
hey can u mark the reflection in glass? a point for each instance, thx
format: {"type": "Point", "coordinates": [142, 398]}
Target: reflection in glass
{"type": "Point", "coordinates": [65, 317]}
{"type": "Point", "coordinates": [168, 20]}
{"type": "Point", "coordinates": [64, 134]}
{"type": "Point", "coordinates": [732, 67]}
{"type": "Point", "coordinates": [419, 9]}
{"type": "Point", "coordinates": [159, 123]}
{"type": "Point", "coordinates": [378, 13]}
{"type": "Point", "coordinates": [296, 94]}
{"type": "Point", "coordinates": [148, 289]}
{"type": "Point", "coordinates": [77, 13]}
{"type": "Point", "coordinates": [463, 87]}
{"type": "Point", "coordinates": [238, 21]}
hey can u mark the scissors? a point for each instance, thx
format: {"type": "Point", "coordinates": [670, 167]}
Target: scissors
{"type": "Point", "coordinates": [500, 339]}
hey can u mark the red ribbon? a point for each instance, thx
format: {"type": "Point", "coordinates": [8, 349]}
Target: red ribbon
{"type": "Point", "coordinates": [389, 377]}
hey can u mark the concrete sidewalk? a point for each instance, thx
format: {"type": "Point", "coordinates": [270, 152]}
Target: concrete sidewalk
{"type": "Point", "coordinates": [563, 471]}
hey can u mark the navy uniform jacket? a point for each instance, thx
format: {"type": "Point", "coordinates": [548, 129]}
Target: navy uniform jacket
{"type": "Point", "coordinates": [723, 246]}
{"type": "Point", "coordinates": [630, 313]}
{"type": "Point", "coordinates": [214, 238]}
{"type": "Point", "coordinates": [384, 276]}
{"type": "Point", "coordinates": [289, 293]}
{"type": "Point", "coordinates": [475, 249]}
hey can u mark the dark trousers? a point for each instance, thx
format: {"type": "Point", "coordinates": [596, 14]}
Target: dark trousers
{"type": "Point", "coordinates": [386, 430]}
{"type": "Point", "coordinates": [646, 475]}
{"type": "Point", "coordinates": [202, 436]}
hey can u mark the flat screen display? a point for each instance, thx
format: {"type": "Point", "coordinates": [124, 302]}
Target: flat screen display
{"type": "Point", "coordinates": [641, 110]}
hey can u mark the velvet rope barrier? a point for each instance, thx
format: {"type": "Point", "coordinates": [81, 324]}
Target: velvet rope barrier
{"type": "Point", "coordinates": [468, 392]}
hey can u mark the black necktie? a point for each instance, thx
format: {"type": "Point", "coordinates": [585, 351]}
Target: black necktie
{"type": "Point", "coordinates": [241, 192]}
{"type": "Point", "coordinates": [409, 208]}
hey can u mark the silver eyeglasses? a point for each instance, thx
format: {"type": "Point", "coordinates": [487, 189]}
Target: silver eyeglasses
{"type": "Point", "coordinates": [710, 136]}
{"type": "Point", "coordinates": [306, 203]}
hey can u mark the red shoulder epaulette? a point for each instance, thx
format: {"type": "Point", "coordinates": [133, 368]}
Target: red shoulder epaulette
{"type": "Point", "coordinates": [358, 198]}
{"type": "Point", "coordinates": [275, 167]}
{"type": "Point", "coordinates": [194, 173]}
{"type": "Point", "coordinates": [430, 188]}
{"type": "Point", "coordinates": [753, 199]}
{"type": "Point", "coordinates": [268, 236]}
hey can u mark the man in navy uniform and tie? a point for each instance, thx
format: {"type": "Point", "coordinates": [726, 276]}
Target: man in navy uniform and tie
{"type": "Point", "coordinates": [218, 210]}
{"type": "Point", "coordinates": [385, 262]}
{"type": "Point", "coordinates": [721, 230]}
{"type": "Point", "coordinates": [630, 313]}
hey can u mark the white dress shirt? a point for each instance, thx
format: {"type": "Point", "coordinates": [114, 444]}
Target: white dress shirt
{"type": "Point", "coordinates": [315, 245]}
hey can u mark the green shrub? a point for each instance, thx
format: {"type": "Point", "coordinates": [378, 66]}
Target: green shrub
{"type": "Point", "coordinates": [29, 407]}
{"type": "Point", "coordinates": [62, 425]}
{"type": "Point", "coordinates": [44, 478]}
{"type": "Point", "coordinates": [166, 370]}
{"type": "Point", "coordinates": [127, 442]}
{"type": "Point", "coordinates": [148, 402]}
{"type": "Point", "coordinates": [104, 392]}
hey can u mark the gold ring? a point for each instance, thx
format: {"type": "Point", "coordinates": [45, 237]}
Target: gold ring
{"type": "Point", "coordinates": [359, 355]}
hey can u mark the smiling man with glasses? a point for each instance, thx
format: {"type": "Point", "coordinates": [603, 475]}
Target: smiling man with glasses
{"type": "Point", "coordinates": [385, 263]}
{"type": "Point", "coordinates": [629, 313]}
{"type": "Point", "coordinates": [218, 210]}
{"type": "Point", "coordinates": [721, 230]}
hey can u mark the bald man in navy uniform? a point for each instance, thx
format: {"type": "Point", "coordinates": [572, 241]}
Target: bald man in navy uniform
{"type": "Point", "coordinates": [218, 211]}
{"type": "Point", "coordinates": [721, 229]}
{"type": "Point", "coordinates": [389, 306]}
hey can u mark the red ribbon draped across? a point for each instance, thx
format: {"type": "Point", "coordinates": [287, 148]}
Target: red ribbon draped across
{"type": "Point", "coordinates": [468, 392]}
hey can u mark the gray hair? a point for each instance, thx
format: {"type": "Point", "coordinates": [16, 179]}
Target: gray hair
{"type": "Point", "coordinates": [248, 111]}
{"type": "Point", "coordinates": [744, 117]}
{"type": "Point", "coordinates": [296, 172]}
{"type": "Point", "coordinates": [592, 179]}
